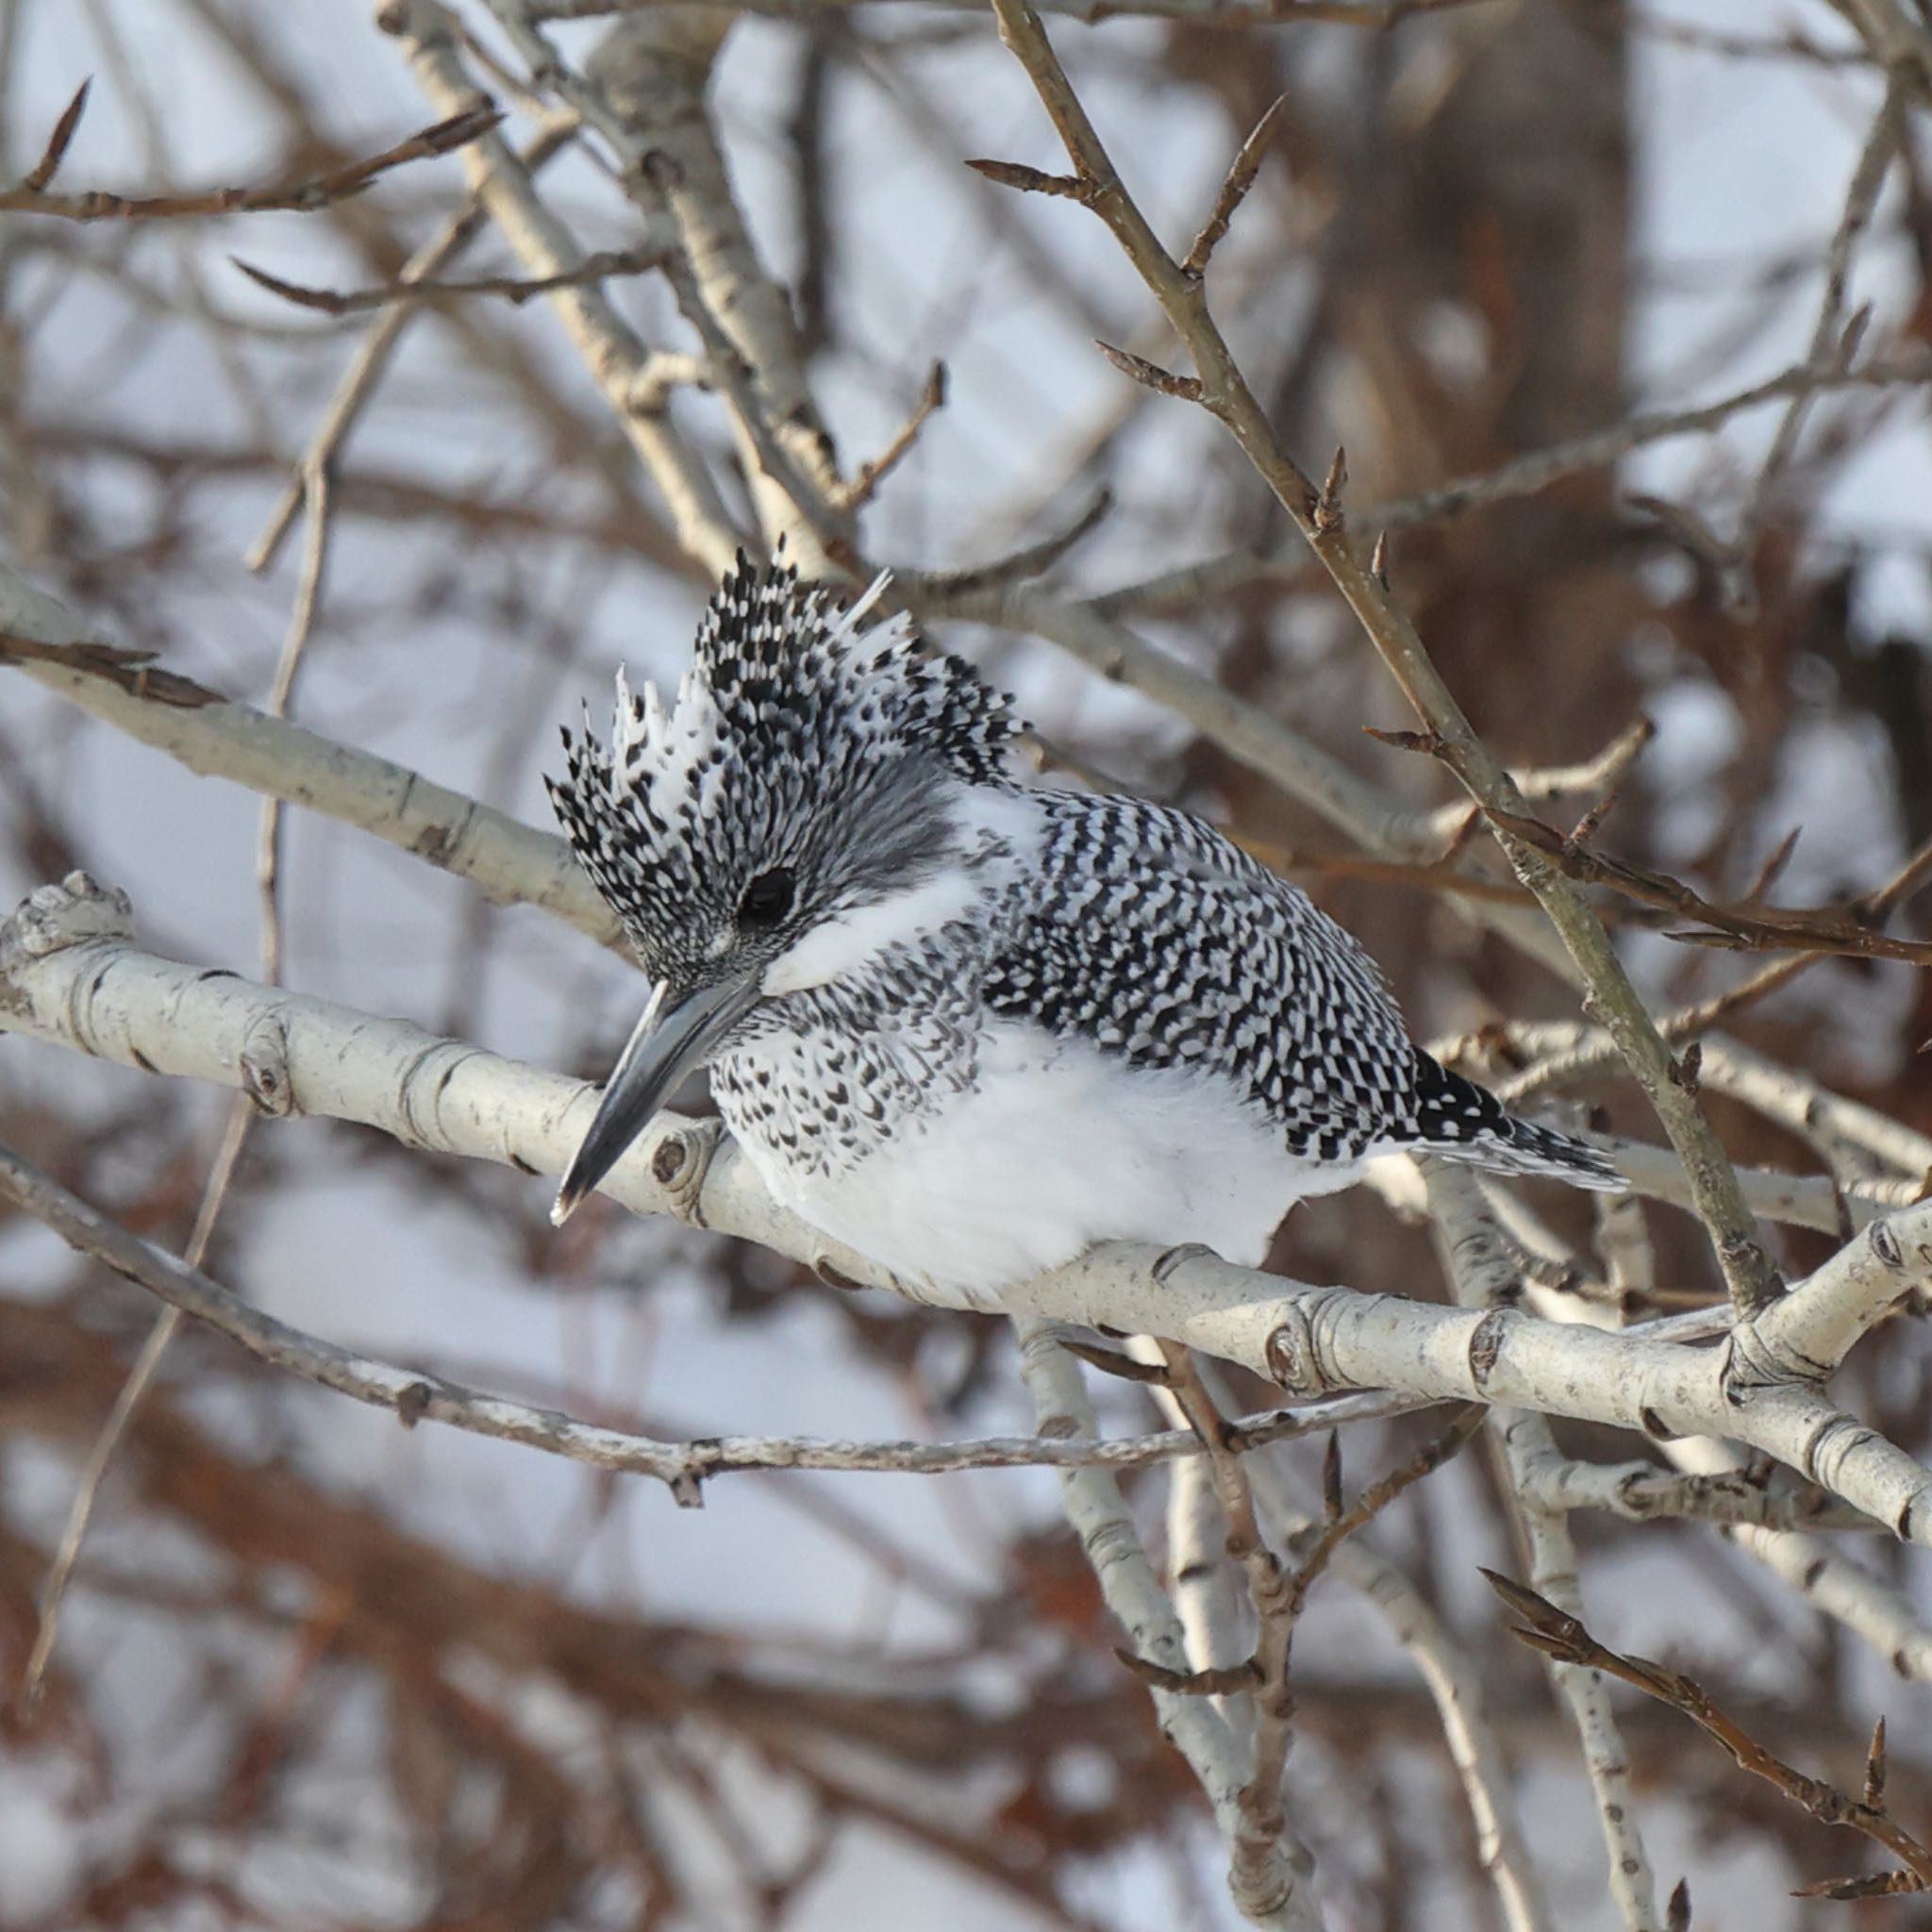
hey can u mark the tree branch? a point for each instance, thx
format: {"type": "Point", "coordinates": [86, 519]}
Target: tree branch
{"type": "Point", "coordinates": [1317, 514]}
{"type": "Point", "coordinates": [70, 976]}
{"type": "Point", "coordinates": [302, 197]}
{"type": "Point", "coordinates": [421, 1396]}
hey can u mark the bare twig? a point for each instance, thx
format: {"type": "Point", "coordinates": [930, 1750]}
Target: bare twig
{"type": "Point", "coordinates": [1263, 1873]}
{"type": "Point", "coordinates": [647, 100]}
{"type": "Point", "coordinates": [610, 348]}
{"type": "Point", "coordinates": [859, 491]}
{"type": "Point", "coordinates": [305, 196]}
{"type": "Point", "coordinates": [140, 1378]}
{"type": "Point", "coordinates": [210, 733]}
{"type": "Point", "coordinates": [1692, 1021]}
{"type": "Point", "coordinates": [1342, 1523]}
{"type": "Point", "coordinates": [1558, 1634]}
{"type": "Point", "coordinates": [593, 268]}
{"type": "Point", "coordinates": [1747, 1268]}
{"type": "Point", "coordinates": [1272, 1872]}
{"type": "Point", "coordinates": [933, 587]}
{"type": "Point", "coordinates": [358, 382]}
{"type": "Point", "coordinates": [1477, 1265]}
{"type": "Point", "coordinates": [418, 1395]}
{"type": "Point", "coordinates": [1538, 469]}
{"type": "Point", "coordinates": [1834, 342]}
{"type": "Point", "coordinates": [1227, 14]}
{"type": "Point", "coordinates": [1733, 927]}
{"type": "Point", "coordinates": [1234, 189]}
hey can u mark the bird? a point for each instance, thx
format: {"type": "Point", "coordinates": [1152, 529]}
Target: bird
{"type": "Point", "coordinates": [968, 1025]}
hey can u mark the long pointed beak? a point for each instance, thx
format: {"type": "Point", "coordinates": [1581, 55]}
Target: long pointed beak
{"type": "Point", "coordinates": [667, 1044]}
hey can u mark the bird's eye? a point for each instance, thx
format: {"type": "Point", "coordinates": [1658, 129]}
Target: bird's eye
{"type": "Point", "coordinates": [767, 899]}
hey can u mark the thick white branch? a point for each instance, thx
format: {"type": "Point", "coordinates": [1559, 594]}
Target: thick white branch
{"type": "Point", "coordinates": [110, 998]}
{"type": "Point", "coordinates": [506, 861]}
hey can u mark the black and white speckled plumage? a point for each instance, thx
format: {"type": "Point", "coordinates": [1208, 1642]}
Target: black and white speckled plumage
{"type": "Point", "coordinates": [1082, 1007]}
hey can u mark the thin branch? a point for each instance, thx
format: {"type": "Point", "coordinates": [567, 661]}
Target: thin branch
{"type": "Point", "coordinates": [859, 491]}
{"type": "Point", "coordinates": [1232, 15]}
{"type": "Point", "coordinates": [1454, 1681]}
{"type": "Point", "coordinates": [1282, 1898]}
{"type": "Point", "coordinates": [1477, 1265]}
{"type": "Point", "coordinates": [509, 862]}
{"type": "Point", "coordinates": [1558, 1634]}
{"type": "Point", "coordinates": [371, 362]}
{"type": "Point", "coordinates": [609, 347]}
{"type": "Point", "coordinates": [1263, 1873]}
{"type": "Point", "coordinates": [304, 197]}
{"type": "Point", "coordinates": [1588, 1054]}
{"type": "Point", "coordinates": [931, 587]}
{"type": "Point", "coordinates": [127, 1403]}
{"type": "Point", "coordinates": [1747, 1268]}
{"type": "Point", "coordinates": [1834, 343]}
{"type": "Point", "coordinates": [1538, 469]}
{"type": "Point", "coordinates": [647, 100]}
{"type": "Point", "coordinates": [1642, 1493]}
{"type": "Point", "coordinates": [242, 1114]}
{"type": "Point", "coordinates": [1342, 1523]}
{"type": "Point", "coordinates": [417, 1395]}
{"type": "Point", "coordinates": [1819, 931]}
{"type": "Point", "coordinates": [602, 267]}
{"type": "Point", "coordinates": [1234, 189]}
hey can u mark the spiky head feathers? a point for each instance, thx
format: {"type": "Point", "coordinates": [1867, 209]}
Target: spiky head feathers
{"type": "Point", "coordinates": [803, 755]}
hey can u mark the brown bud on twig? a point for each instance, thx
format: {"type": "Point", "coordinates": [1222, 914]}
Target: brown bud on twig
{"type": "Point", "coordinates": [1428, 742]}
{"type": "Point", "coordinates": [1025, 180]}
{"type": "Point", "coordinates": [57, 142]}
{"type": "Point", "coordinates": [1874, 1767]}
{"type": "Point", "coordinates": [1326, 512]}
{"type": "Point", "coordinates": [1151, 374]}
{"type": "Point", "coordinates": [1677, 1913]}
{"type": "Point", "coordinates": [1234, 191]}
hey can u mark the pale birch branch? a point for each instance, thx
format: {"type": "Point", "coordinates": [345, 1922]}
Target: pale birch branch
{"type": "Point", "coordinates": [1106, 1528]}
{"type": "Point", "coordinates": [643, 91]}
{"type": "Point", "coordinates": [508, 862]}
{"type": "Point", "coordinates": [69, 974]}
{"type": "Point", "coordinates": [1476, 1261]}
{"type": "Point", "coordinates": [619, 361]}
{"type": "Point", "coordinates": [1451, 1677]}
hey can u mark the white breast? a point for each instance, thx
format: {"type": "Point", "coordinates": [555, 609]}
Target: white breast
{"type": "Point", "coordinates": [1055, 1146]}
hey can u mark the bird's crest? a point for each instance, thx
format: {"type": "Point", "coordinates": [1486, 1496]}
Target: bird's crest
{"type": "Point", "coordinates": [790, 714]}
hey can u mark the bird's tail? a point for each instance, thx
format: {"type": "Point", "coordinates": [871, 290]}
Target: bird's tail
{"type": "Point", "coordinates": [1460, 1121]}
